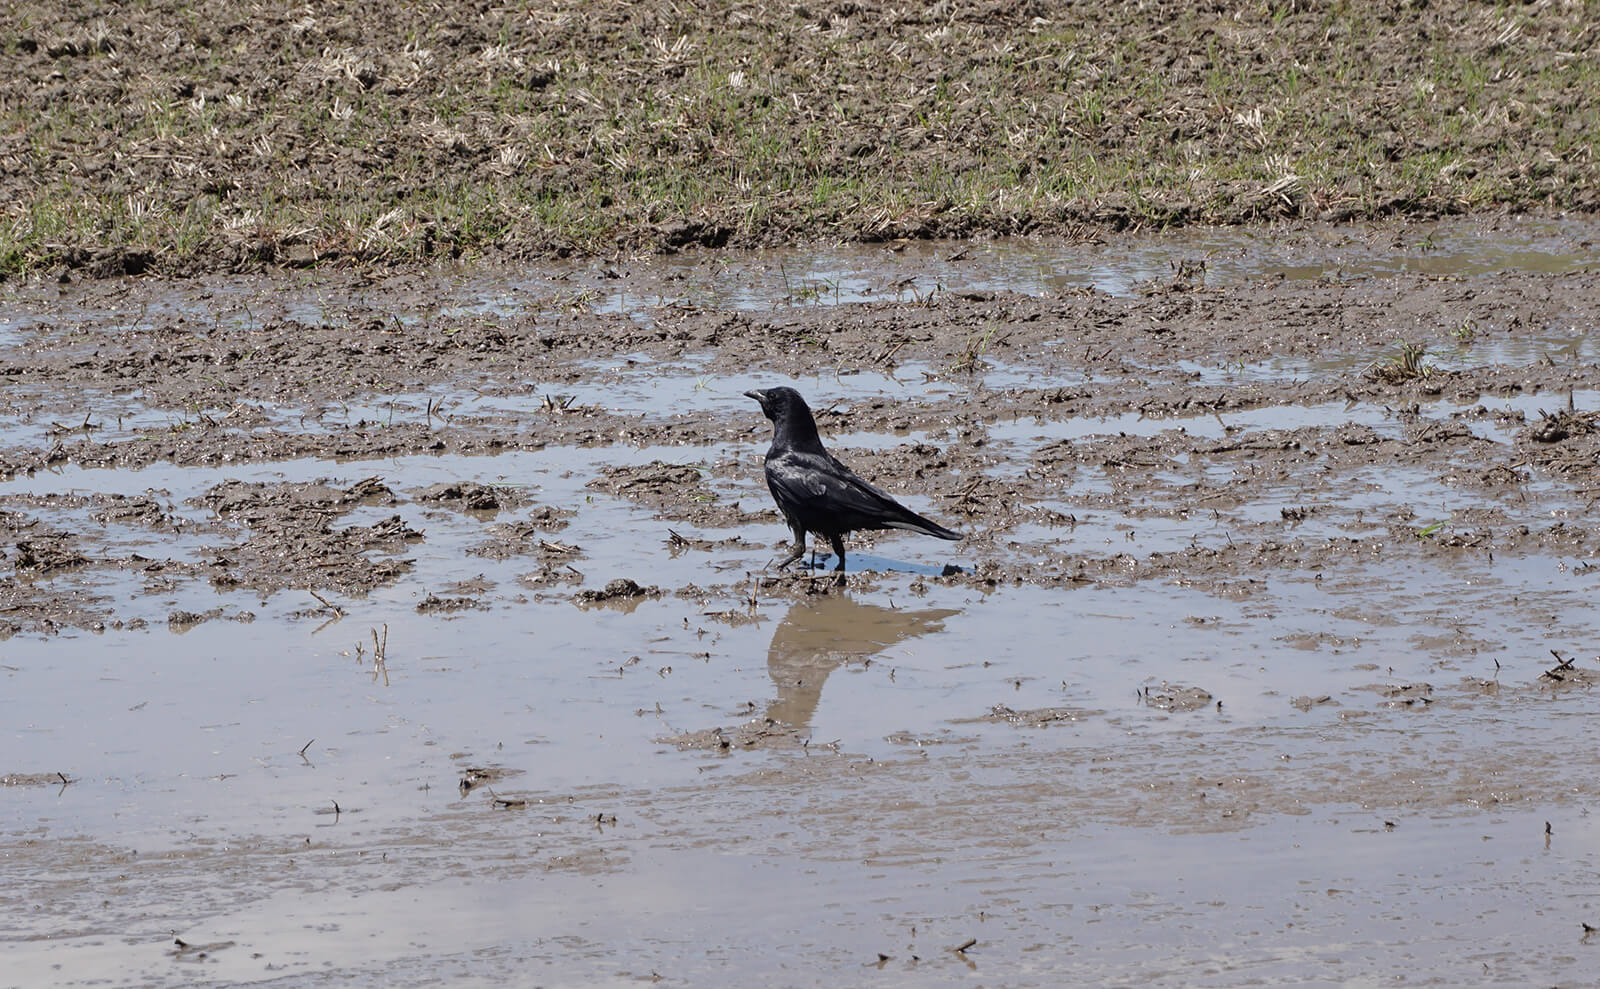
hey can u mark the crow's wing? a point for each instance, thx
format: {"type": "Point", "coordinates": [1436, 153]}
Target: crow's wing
{"type": "Point", "coordinates": [819, 494]}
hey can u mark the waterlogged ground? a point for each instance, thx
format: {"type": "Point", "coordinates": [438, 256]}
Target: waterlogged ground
{"type": "Point", "coordinates": [393, 631]}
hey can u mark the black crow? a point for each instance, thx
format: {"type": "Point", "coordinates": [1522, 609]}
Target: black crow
{"type": "Point", "coordinates": [816, 493]}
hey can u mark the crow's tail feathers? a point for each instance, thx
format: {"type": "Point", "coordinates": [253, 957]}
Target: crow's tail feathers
{"type": "Point", "coordinates": [916, 523]}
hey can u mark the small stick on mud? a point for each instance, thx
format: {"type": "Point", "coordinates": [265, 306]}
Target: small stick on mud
{"type": "Point", "coordinates": [961, 948]}
{"type": "Point", "coordinates": [326, 603]}
{"type": "Point", "coordinates": [62, 777]}
{"type": "Point", "coordinates": [380, 655]}
{"type": "Point", "coordinates": [304, 747]}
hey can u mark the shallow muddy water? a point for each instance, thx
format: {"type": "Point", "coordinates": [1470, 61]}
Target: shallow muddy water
{"type": "Point", "coordinates": [1243, 673]}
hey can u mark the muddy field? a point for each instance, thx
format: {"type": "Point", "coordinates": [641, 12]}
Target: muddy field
{"type": "Point", "coordinates": [381, 629]}
{"type": "Point", "coordinates": [176, 136]}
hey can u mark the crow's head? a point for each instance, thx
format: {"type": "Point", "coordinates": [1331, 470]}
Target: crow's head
{"type": "Point", "coordinates": [780, 404]}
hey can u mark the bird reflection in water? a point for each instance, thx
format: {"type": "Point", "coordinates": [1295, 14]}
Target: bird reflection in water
{"type": "Point", "coordinates": [821, 634]}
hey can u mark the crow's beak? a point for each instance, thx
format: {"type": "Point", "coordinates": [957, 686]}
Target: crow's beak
{"type": "Point", "coordinates": [757, 394]}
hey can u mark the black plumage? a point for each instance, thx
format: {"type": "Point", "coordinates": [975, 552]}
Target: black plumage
{"type": "Point", "coordinates": [815, 492]}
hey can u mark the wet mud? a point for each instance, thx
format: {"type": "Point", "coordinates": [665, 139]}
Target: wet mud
{"type": "Point", "coordinates": [1261, 582]}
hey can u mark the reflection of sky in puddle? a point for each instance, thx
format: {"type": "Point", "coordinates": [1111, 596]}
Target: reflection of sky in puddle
{"type": "Point", "coordinates": [1119, 266]}
{"type": "Point", "coordinates": [189, 743]}
{"type": "Point", "coordinates": [766, 280]}
{"type": "Point", "coordinates": [1028, 434]}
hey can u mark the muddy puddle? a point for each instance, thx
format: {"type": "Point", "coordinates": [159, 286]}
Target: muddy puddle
{"type": "Point", "coordinates": [423, 629]}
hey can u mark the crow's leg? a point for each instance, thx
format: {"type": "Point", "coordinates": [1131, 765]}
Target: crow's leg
{"type": "Point", "coordinates": [838, 550]}
{"type": "Point", "coordinates": [798, 550]}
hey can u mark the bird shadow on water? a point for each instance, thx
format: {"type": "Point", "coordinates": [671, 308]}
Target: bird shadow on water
{"type": "Point", "coordinates": [820, 634]}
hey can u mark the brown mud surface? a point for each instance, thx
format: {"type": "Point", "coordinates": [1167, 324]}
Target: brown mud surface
{"type": "Point", "coordinates": [371, 631]}
{"type": "Point", "coordinates": [1282, 413]}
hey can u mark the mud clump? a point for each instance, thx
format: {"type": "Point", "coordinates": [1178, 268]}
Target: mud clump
{"type": "Point", "coordinates": [760, 733]}
{"type": "Point", "coordinates": [1557, 426]}
{"type": "Point", "coordinates": [528, 536]}
{"type": "Point", "coordinates": [1400, 695]}
{"type": "Point", "coordinates": [1036, 717]}
{"type": "Point", "coordinates": [181, 621]}
{"type": "Point", "coordinates": [34, 779]}
{"type": "Point", "coordinates": [655, 482]}
{"type": "Point", "coordinates": [471, 497]}
{"type": "Point", "coordinates": [291, 540]}
{"type": "Point", "coordinates": [1178, 698]}
{"type": "Point", "coordinates": [433, 604]}
{"type": "Point", "coordinates": [47, 553]}
{"type": "Point", "coordinates": [621, 589]}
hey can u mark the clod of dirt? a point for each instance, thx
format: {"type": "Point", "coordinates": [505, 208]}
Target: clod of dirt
{"type": "Point", "coordinates": [1402, 695]}
{"type": "Point", "coordinates": [1179, 699]}
{"type": "Point", "coordinates": [1553, 428]}
{"type": "Point", "coordinates": [33, 779]}
{"type": "Point", "coordinates": [182, 621]}
{"type": "Point", "coordinates": [292, 541]}
{"type": "Point", "coordinates": [239, 496]}
{"type": "Point", "coordinates": [521, 538]}
{"type": "Point", "coordinates": [620, 589]}
{"type": "Point", "coordinates": [652, 481]}
{"type": "Point", "coordinates": [677, 543]}
{"type": "Point", "coordinates": [476, 776]}
{"type": "Point", "coordinates": [47, 553]}
{"type": "Point", "coordinates": [132, 510]}
{"type": "Point", "coordinates": [470, 496]}
{"type": "Point", "coordinates": [1306, 702]}
{"type": "Point", "coordinates": [1037, 717]}
{"type": "Point", "coordinates": [433, 603]}
{"type": "Point", "coordinates": [761, 733]}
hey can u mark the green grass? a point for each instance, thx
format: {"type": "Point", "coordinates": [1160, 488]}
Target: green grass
{"type": "Point", "coordinates": [270, 132]}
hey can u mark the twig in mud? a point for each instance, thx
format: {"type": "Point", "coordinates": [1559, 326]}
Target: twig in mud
{"type": "Point", "coordinates": [886, 355]}
{"type": "Point", "coordinates": [326, 603]}
{"type": "Point", "coordinates": [304, 747]}
{"type": "Point", "coordinates": [966, 494]}
{"type": "Point", "coordinates": [380, 655]}
{"type": "Point", "coordinates": [507, 802]}
{"type": "Point", "coordinates": [961, 948]}
{"type": "Point", "coordinates": [62, 777]}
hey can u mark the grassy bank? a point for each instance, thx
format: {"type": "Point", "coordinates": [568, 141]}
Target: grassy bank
{"type": "Point", "coordinates": [184, 136]}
